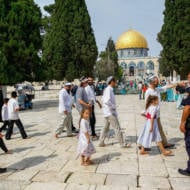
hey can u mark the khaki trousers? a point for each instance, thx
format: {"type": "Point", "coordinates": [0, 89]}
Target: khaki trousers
{"type": "Point", "coordinates": [65, 121]}
{"type": "Point", "coordinates": [113, 121]}
{"type": "Point", "coordinates": [162, 134]}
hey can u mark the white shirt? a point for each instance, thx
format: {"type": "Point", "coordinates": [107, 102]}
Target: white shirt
{"type": "Point", "coordinates": [90, 94]}
{"type": "Point", "coordinates": [12, 106]}
{"type": "Point", "coordinates": [156, 92]}
{"type": "Point", "coordinates": [4, 112]}
{"type": "Point", "coordinates": [65, 101]}
{"type": "Point", "coordinates": [109, 104]}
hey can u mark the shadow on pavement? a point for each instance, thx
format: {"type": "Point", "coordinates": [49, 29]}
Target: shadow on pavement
{"type": "Point", "coordinates": [30, 162]}
{"type": "Point", "coordinates": [17, 150]}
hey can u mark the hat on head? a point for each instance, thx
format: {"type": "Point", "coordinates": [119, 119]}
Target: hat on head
{"type": "Point", "coordinates": [68, 84]}
{"type": "Point", "coordinates": [109, 79]}
{"type": "Point", "coordinates": [151, 78]}
{"type": "Point", "coordinates": [83, 79]}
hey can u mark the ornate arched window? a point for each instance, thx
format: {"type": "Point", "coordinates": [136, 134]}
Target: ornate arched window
{"type": "Point", "coordinates": [141, 65]}
{"type": "Point", "coordinates": [132, 67]}
{"type": "Point", "coordinates": [150, 65]}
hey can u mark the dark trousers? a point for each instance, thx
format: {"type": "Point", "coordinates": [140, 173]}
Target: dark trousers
{"type": "Point", "coordinates": [5, 124]}
{"type": "Point", "coordinates": [20, 127]}
{"type": "Point", "coordinates": [187, 146]}
{"type": "Point", "coordinates": [2, 145]}
{"type": "Point", "coordinates": [92, 121]}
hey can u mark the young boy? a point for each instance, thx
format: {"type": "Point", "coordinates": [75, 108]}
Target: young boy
{"type": "Point", "coordinates": [4, 114]}
{"type": "Point", "coordinates": [13, 116]}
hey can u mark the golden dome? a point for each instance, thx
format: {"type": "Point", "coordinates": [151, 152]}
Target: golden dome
{"type": "Point", "coordinates": [131, 39]}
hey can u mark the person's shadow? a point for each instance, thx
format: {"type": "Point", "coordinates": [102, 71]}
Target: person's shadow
{"type": "Point", "coordinates": [106, 158]}
{"type": "Point", "coordinates": [29, 162]}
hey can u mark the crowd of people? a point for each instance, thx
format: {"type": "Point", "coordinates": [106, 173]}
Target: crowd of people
{"type": "Point", "coordinates": [84, 99]}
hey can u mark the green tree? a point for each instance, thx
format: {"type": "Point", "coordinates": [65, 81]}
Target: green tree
{"type": "Point", "coordinates": [175, 38]}
{"type": "Point", "coordinates": [108, 63]}
{"type": "Point", "coordinates": [3, 69]}
{"type": "Point", "coordinates": [20, 39]}
{"type": "Point", "coordinates": [69, 48]}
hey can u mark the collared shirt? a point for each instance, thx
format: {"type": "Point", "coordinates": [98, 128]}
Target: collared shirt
{"type": "Point", "coordinates": [90, 94]}
{"type": "Point", "coordinates": [12, 106]}
{"type": "Point", "coordinates": [65, 101]}
{"type": "Point", "coordinates": [4, 112]}
{"type": "Point", "coordinates": [81, 95]}
{"type": "Point", "coordinates": [156, 92]}
{"type": "Point", "coordinates": [108, 100]}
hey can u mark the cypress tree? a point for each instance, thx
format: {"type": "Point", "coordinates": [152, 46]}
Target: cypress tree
{"type": "Point", "coordinates": [175, 38]}
{"type": "Point", "coordinates": [20, 39]}
{"type": "Point", "coordinates": [108, 63]}
{"type": "Point", "coordinates": [69, 46]}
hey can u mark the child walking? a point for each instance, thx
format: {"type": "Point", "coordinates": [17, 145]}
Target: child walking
{"type": "Point", "coordinates": [85, 145]}
{"type": "Point", "coordinates": [4, 114]}
{"type": "Point", "coordinates": [3, 146]}
{"type": "Point", "coordinates": [151, 132]}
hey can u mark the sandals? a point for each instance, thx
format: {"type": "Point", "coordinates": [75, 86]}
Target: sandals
{"type": "Point", "coordinates": [167, 153]}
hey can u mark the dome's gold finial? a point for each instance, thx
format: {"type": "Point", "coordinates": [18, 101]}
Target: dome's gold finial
{"type": "Point", "coordinates": [131, 39]}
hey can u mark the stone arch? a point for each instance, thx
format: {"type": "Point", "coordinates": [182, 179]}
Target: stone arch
{"type": "Point", "coordinates": [141, 65]}
{"type": "Point", "coordinates": [150, 65]}
{"type": "Point", "coordinates": [132, 66]}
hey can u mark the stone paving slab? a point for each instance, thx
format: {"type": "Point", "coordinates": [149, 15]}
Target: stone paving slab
{"type": "Point", "coordinates": [43, 162]}
{"type": "Point", "coordinates": [48, 176]}
{"type": "Point", "coordinates": [180, 183]}
{"type": "Point", "coordinates": [87, 178]}
{"type": "Point", "coordinates": [149, 182]}
{"type": "Point", "coordinates": [46, 186]}
{"type": "Point", "coordinates": [121, 180]}
{"type": "Point", "coordinates": [118, 167]}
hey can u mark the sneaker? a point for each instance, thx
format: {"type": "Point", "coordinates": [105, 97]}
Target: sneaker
{"type": "Point", "coordinates": [184, 172]}
{"type": "Point", "coordinates": [3, 170]}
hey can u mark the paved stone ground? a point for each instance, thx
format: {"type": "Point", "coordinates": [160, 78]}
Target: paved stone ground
{"type": "Point", "coordinates": [45, 163]}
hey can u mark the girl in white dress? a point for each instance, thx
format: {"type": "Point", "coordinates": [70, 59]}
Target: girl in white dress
{"type": "Point", "coordinates": [151, 133]}
{"type": "Point", "coordinates": [85, 145]}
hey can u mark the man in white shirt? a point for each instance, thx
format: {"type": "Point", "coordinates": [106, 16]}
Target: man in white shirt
{"type": "Point", "coordinates": [65, 108]}
{"type": "Point", "coordinates": [92, 99]}
{"type": "Point", "coordinates": [110, 113]}
{"type": "Point", "coordinates": [13, 116]}
{"type": "Point", "coordinates": [155, 90]}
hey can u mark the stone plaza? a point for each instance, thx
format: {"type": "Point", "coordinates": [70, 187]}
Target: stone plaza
{"type": "Point", "coordinates": [45, 163]}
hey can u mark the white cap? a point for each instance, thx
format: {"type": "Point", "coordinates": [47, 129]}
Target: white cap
{"type": "Point", "coordinates": [68, 84]}
{"type": "Point", "coordinates": [109, 79]}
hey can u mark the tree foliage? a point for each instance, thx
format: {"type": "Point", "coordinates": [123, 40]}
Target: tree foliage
{"type": "Point", "coordinates": [175, 38]}
{"type": "Point", "coordinates": [20, 39]}
{"type": "Point", "coordinates": [69, 48]}
{"type": "Point", "coordinates": [108, 63]}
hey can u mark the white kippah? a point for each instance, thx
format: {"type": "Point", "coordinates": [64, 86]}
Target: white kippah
{"type": "Point", "coordinates": [109, 79]}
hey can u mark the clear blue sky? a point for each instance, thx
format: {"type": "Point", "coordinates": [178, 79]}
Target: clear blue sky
{"type": "Point", "coordinates": [110, 18]}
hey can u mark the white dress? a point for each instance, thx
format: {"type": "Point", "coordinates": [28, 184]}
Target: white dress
{"type": "Point", "coordinates": [146, 137]}
{"type": "Point", "coordinates": [84, 148]}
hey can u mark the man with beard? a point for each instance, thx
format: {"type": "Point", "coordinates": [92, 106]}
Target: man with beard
{"type": "Point", "coordinates": [81, 96]}
{"type": "Point", "coordinates": [65, 108]}
{"type": "Point", "coordinates": [92, 99]}
{"type": "Point", "coordinates": [155, 90]}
